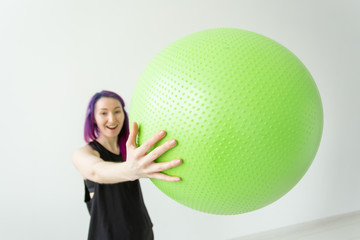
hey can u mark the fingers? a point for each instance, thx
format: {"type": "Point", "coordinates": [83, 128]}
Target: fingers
{"type": "Point", "coordinates": [131, 142]}
{"type": "Point", "coordinates": [158, 151]}
{"type": "Point", "coordinates": [164, 177]}
{"type": "Point", "coordinates": [143, 162]}
{"type": "Point", "coordinates": [148, 144]}
{"type": "Point", "coordinates": [158, 167]}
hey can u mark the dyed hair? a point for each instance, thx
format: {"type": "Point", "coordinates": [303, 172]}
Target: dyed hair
{"type": "Point", "coordinates": [91, 130]}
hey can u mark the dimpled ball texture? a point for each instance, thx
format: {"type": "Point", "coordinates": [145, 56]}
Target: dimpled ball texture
{"type": "Point", "coordinates": [245, 112]}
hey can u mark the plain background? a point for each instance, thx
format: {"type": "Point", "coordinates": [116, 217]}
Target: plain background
{"type": "Point", "coordinates": [54, 55]}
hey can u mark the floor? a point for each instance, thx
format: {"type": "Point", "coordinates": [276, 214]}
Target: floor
{"type": "Point", "coordinates": [342, 227]}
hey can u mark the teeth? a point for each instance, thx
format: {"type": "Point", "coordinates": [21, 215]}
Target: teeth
{"type": "Point", "coordinates": [112, 126]}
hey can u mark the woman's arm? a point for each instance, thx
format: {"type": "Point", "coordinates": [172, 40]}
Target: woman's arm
{"type": "Point", "coordinates": [92, 167]}
{"type": "Point", "coordinates": [138, 164]}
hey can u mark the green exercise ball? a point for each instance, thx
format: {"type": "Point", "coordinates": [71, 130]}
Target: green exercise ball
{"type": "Point", "coordinates": [246, 114]}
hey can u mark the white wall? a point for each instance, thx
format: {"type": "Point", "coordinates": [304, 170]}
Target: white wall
{"type": "Point", "coordinates": [55, 54]}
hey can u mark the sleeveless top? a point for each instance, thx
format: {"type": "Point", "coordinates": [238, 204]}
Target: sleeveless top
{"type": "Point", "coordinates": [117, 210]}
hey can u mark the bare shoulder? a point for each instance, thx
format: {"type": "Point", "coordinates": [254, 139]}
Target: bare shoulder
{"type": "Point", "coordinates": [84, 151]}
{"type": "Point", "coordinates": [84, 159]}
{"type": "Point", "coordinates": [88, 150]}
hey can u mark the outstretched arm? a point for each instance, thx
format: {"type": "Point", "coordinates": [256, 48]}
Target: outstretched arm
{"type": "Point", "coordinates": [138, 163]}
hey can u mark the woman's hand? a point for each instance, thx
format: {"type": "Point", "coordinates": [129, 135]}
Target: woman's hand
{"type": "Point", "coordinates": [142, 163]}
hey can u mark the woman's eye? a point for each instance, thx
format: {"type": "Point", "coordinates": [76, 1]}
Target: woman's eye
{"type": "Point", "coordinates": [103, 113]}
{"type": "Point", "coordinates": [118, 112]}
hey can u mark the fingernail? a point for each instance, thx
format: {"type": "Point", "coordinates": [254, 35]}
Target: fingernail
{"type": "Point", "coordinates": [162, 133]}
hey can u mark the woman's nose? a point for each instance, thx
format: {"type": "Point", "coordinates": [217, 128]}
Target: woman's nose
{"type": "Point", "coordinates": [111, 118]}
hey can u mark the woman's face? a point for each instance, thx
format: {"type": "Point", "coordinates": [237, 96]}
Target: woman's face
{"type": "Point", "coordinates": [109, 116]}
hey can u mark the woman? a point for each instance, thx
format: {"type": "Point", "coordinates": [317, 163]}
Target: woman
{"type": "Point", "coordinates": [111, 164]}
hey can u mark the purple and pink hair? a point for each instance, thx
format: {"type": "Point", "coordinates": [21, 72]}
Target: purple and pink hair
{"type": "Point", "coordinates": [91, 130]}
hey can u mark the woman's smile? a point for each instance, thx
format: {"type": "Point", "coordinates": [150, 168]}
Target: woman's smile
{"type": "Point", "coordinates": [112, 127]}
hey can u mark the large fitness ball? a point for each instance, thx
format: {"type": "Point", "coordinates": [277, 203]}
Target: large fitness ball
{"type": "Point", "coordinates": [245, 111]}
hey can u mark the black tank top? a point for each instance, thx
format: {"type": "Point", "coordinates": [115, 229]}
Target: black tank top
{"type": "Point", "coordinates": [117, 210]}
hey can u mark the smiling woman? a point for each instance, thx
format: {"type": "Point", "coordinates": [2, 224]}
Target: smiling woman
{"type": "Point", "coordinates": [111, 164]}
{"type": "Point", "coordinates": [109, 118]}
{"type": "Point", "coordinates": [107, 106]}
